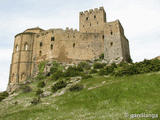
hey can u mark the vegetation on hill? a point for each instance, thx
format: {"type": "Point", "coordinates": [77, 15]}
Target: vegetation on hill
{"type": "Point", "coordinates": [87, 91]}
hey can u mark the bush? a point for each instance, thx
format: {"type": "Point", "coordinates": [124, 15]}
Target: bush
{"type": "Point", "coordinates": [54, 68]}
{"type": "Point", "coordinates": [40, 76]}
{"type": "Point", "coordinates": [84, 65]}
{"type": "Point", "coordinates": [76, 87]}
{"type": "Point", "coordinates": [26, 89]}
{"type": "Point", "coordinates": [41, 84]}
{"type": "Point", "coordinates": [86, 76]}
{"type": "Point", "coordinates": [73, 71]}
{"type": "Point", "coordinates": [39, 92]}
{"type": "Point", "coordinates": [98, 65]}
{"type": "Point", "coordinates": [35, 101]}
{"type": "Point", "coordinates": [93, 71]}
{"type": "Point", "coordinates": [58, 74]}
{"type": "Point", "coordinates": [102, 72]}
{"type": "Point", "coordinates": [3, 95]}
{"type": "Point", "coordinates": [41, 66]}
{"type": "Point", "coordinates": [101, 56]}
{"type": "Point", "coordinates": [59, 85]}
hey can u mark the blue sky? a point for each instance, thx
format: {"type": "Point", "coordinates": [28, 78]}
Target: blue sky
{"type": "Point", "coordinates": [139, 18]}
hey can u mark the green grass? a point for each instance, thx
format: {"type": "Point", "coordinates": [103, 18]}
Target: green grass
{"type": "Point", "coordinates": [103, 98]}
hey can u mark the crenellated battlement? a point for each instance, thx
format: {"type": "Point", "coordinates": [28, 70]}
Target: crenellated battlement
{"type": "Point", "coordinates": [92, 11]}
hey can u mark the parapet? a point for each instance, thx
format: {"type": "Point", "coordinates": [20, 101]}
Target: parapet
{"type": "Point", "coordinates": [96, 10]}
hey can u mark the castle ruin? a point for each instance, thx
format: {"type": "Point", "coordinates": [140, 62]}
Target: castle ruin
{"type": "Point", "coordinates": [95, 36]}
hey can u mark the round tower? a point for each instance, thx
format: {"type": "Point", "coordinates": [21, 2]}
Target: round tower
{"type": "Point", "coordinates": [21, 57]}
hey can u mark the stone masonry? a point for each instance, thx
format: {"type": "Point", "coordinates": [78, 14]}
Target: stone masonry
{"type": "Point", "coordinates": [95, 36]}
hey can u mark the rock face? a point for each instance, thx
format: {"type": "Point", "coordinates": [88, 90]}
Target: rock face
{"type": "Point", "coordinates": [95, 36]}
{"type": "Point", "coordinates": [158, 57]}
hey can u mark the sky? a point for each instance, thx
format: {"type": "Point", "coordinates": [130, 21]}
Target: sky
{"type": "Point", "coordinates": [139, 18]}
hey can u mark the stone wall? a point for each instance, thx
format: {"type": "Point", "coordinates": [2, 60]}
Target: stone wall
{"type": "Point", "coordinates": [96, 36]}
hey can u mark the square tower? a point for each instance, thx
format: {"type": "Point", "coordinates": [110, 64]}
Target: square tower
{"type": "Point", "coordinates": [92, 21]}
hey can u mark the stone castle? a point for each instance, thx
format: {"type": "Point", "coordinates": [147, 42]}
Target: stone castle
{"type": "Point", "coordinates": [95, 36]}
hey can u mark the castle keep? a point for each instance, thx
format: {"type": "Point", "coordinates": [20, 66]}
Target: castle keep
{"type": "Point", "coordinates": [95, 36]}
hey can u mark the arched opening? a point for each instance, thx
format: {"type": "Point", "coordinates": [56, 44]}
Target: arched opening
{"type": "Point", "coordinates": [111, 32]}
{"type": "Point", "coordinates": [111, 43]}
{"type": "Point", "coordinates": [52, 38]}
{"type": "Point", "coordinates": [17, 48]}
{"type": "Point", "coordinates": [94, 16]}
{"type": "Point", "coordinates": [26, 47]}
{"type": "Point", "coordinates": [73, 45]}
{"type": "Point", "coordinates": [86, 18]}
{"type": "Point", "coordinates": [41, 44]}
{"type": "Point", "coordinates": [23, 76]}
{"type": "Point", "coordinates": [103, 37]}
{"type": "Point", "coordinates": [51, 46]}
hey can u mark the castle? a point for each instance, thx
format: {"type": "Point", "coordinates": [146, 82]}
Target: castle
{"type": "Point", "coordinates": [95, 36]}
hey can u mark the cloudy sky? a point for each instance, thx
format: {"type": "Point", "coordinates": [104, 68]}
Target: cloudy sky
{"type": "Point", "coordinates": [140, 20]}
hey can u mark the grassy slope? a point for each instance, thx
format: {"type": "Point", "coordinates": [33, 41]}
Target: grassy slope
{"type": "Point", "coordinates": [108, 100]}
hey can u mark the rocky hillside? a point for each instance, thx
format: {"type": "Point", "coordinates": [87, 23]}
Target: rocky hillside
{"type": "Point", "coordinates": [87, 91]}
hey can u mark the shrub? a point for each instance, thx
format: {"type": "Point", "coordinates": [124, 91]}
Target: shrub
{"type": "Point", "coordinates": [35, 101]}
{"type": "Point", "coordinates": [59, 85]}
{"type": "Point", "coordinates": [101, 56]}
{"type": "Point", "coordinates": [40, 76]}
{"type": "Point", "coordinates": [39, 92]}
{"type": "Point", "coordinates": [72, 71]}
{"type": "Point", "coordinates": [99, 65]}
{"type": "Point", "coordinates": [93, 71]}
{"type": "Point", "coordinates": [84, 65]}
{"type": "Point", "coordinates": [57, 75]}
{"type": "Point", "coordinates": [41, 66]}
{"type": "Point", "coordinates": [41, 84]}
{"type": "Point", "coordinates": [3, 95]}
{"type": "Point", "coordinates": [26, 88]}
{"type": "Point", "coordinates": [54, 68]}
{"type": "Point", "coordinates": [86, 76]}
{"type": "Point", "coordinates": [76, 87]}
{"type": "Point", "coordinates": [102, 72]}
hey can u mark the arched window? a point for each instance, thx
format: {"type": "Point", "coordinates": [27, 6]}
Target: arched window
{"type": "Point", "coordinates": [40, 44]}
{"type": "Point", "coordinates": [111, 32]}
{"type": "Point", "coordinates": [52, 38]}
{"type": "Point", "coordinates": [51, 46]}
{"type": "Point", "coordinates": [16, 47]}
{"type": "Point", "coordinates": [111, 43]}
{"type": "Point", "coordinates": [73, 45]}
{"type": "Point", "coordinates": [26, 47]}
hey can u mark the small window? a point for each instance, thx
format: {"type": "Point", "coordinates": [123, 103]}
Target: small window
{"type": "Point", "coordinates": [17, 48]}
{"type": "Point", "coordinates": [51, 46]}
{"type": "Point", "coordinates": [90, 24]}
{"type": "Point", "coordinates": [94, 16]}
{"type": "Point", "coordinates": [41, 44]}
{"type": "Point", "coordinates": [26, 47]}
{"type": "Point", "coordinates": [40, 53]}
{"type": "Point", "coordinates": [103, 37]}
{"type": "Point", "coordinates": [73, 45]}
{"type": "Point", "coordinates": [52, 38]}
{"type": "Point", "coordinates": [111, 43]}
{"type": "Point", "coordinates": [111, 32]}
{"type": "Point", "coordinates": [97, 23]}
{"type": "Point", "coordinates": [83, 25]}
{"type": "Point", "coordinates": [86, 18]}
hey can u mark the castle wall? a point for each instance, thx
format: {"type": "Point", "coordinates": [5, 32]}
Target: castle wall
{"type": "Point", "coordinates": [116, 47]}
{"type": "Point", "coordinates": [68, 45]}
